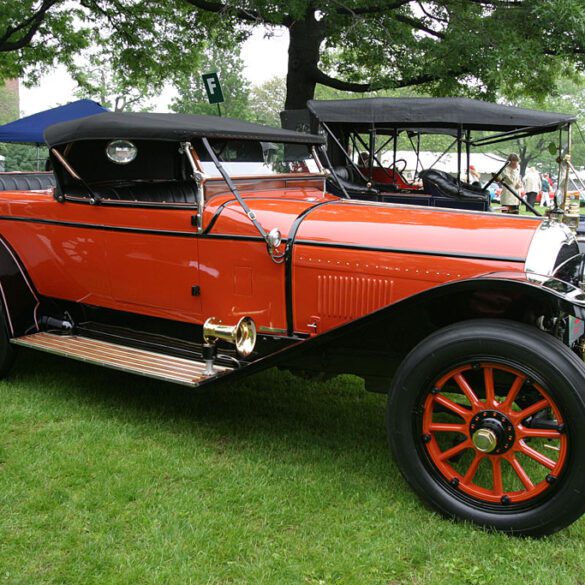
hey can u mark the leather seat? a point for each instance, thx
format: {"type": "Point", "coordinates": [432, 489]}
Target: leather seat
{"type": "Point", "coordinates": [442, 184]}
{"type": "Point", "coordinates": [26, 181]}
{"type": "Point", "coordinates": [345, 177]}
{"type": "Point", "coordinates": [149, 192]}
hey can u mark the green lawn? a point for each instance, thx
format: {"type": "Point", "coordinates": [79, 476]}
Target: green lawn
{"type": "Point", "coordinates": [109, 478]}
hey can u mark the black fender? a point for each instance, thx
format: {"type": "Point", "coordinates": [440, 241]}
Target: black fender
{"type": "Point", "coordinates": [18, 296]}
{"type": "Point", "coordinates": [374, 345]}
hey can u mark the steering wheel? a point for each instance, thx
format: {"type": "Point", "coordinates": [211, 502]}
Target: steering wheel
{"type": "Point", "coordinates": [394, 165]}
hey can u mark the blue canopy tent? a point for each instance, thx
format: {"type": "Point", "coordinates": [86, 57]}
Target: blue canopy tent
{"type": "Point", "coordinates": [30, 129]}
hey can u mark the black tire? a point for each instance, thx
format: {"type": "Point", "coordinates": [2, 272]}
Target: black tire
{"type": "Point", "coordinates": [7, 350]}
{"type": "Point", "coordinates": [492, 348]}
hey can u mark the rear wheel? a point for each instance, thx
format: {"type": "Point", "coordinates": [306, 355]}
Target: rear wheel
{"type": "Point", "coordinates": [486, 420]}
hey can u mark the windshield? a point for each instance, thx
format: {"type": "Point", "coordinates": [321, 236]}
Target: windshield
{"type": "Point", "coordinates": [244, 158]}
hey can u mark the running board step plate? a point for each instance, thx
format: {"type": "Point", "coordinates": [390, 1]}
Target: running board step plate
{"type": "Point", "coordinates": [120, 357]}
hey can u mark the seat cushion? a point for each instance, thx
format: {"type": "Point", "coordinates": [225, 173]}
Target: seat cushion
{"type": "Point", "coordinates": [170, 192]}
{"type": "Point", "coordinates": [40, 181]}
{"type": "Point", "coordinates": [442, 184]}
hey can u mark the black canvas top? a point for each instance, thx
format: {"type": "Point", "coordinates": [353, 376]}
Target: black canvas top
{"type": "Point", "coordinates": [168, 127]}
{"type": "Point", "coordinates": [464, 113]}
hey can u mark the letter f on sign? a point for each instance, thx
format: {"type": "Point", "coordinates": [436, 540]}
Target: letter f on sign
{"type": "Point", "coordinates": [212, 88]}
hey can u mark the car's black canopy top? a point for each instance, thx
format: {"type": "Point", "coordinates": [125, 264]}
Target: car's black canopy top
{"type": "Point", "coordinates": [167, 127]}
{"type": "Point", "coordinates": [362, 115]}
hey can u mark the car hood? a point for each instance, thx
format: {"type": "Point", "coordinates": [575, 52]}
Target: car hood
{"type": "Point", "coordinates": [414, 229]}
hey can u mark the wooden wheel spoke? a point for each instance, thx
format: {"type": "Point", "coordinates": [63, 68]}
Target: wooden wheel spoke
{"type": "Point", "coordinates": [524, 432]}
{"type": "Point", "coordinates": [467, 390]}
{"type": "Point", "coordinates": [448, 428]}
{"type": "Point", "coordinates": [521, 473]}
{"type": "Point", "coordinates": [498, 484]}
{"type": "Point", "coordinates": [463, 412]}
{"type": "Point", "coordinates": [538, 457]}
{"type": "Point", "coordinates": [490, 393]}
{"type": "Point", "coordinates": [532, 409]}
{"type": "Point", "coordinates": [449, 453]}
{"type": "Point", "coordinates": [513, 392]}
{"type": "Point", "coordinates": [472, 470]}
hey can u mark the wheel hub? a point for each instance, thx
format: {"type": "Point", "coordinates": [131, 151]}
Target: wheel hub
{"type": "Point", "coordinates": [491, 432]}
{"type": "Point", "coordinates": [485, 440]}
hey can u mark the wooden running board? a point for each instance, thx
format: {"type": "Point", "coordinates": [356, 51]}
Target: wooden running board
{"type": "Point", "coordinates": [124, 358]}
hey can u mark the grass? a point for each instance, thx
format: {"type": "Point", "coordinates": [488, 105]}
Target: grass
{"type": "Point", "coordinates": [108, 478]}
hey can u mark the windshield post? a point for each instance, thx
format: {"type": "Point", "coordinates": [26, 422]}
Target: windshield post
{"type": "Point", "coordinates": [272, 238]}
{"type": "Point", "coordinates": [417, 154]}
{"type": "Point", "coordinates": [198, 178]}
{"type": "Point", "coordinates": [372, 152]}
{"type": "Point", "coordinates": [344, 151]}
{"type": "Point", "coordinates": [567, 160]}
{"type": "Point", "coordinates": [332, 170]}
{"type": "Point", "coordinates": [317, 159]}
{"type": "Point", "coordinates": [459, 139]}
{"type": "Point", "coordinates": [468, 150]}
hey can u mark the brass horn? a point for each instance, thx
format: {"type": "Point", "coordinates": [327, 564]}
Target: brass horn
{"type": "Point", "coordinates": [242, 334]}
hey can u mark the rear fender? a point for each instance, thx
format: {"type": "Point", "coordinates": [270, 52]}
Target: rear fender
{"type": "Point", "coordinates": [19, 299]}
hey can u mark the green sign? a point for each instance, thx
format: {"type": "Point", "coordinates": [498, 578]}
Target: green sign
{"type": "Point", "coordinates": [213, 88]}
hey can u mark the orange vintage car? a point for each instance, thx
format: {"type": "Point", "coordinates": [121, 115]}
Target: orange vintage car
{"type": "Point", "coordinates": [199, 249]}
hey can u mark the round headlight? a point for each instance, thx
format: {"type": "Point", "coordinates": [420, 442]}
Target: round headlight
{"type": "Point", "coordinates": [121, 152]}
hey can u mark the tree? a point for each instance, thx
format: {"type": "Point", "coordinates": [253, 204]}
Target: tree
{"type": "Point", "coordinates": [267, 101]}
{"type": "Point", "coordinates": [8, 104]}
{"type": "Point", "coordinates": [568, 98]}
{"type": "Point", "coordinates": [144, 42]}
{"type": "Point", "coordinates": [18, 156]}
{"type": "Point", "coordinates": [443, 46]}
{"type": "Point", "coordinates": [100, 82]}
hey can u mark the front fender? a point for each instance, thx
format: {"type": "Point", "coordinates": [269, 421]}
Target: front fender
{"type": "Point", "coordinates": [374, 344]}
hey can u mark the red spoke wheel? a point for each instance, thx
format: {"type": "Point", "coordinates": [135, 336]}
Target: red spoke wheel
{"type": "Point", "coordinates": [496, 431]}
{"type": "Point", "coordinates": [486, 420]}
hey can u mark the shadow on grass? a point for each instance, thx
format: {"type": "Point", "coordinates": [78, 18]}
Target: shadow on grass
{"type": "Point", "coordinates": [272, 410]}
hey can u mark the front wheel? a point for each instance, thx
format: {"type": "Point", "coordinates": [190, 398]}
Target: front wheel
{"type": "Point", "coordinates": [486, 420]}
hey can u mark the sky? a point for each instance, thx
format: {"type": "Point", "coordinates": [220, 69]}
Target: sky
{"type": "Point", "coordinates": [263, 58]}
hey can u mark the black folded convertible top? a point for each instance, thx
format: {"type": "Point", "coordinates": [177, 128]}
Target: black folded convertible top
{"type": "Point", "coordinates": [168, 127]}
{"type": "Point", "coordinates": [467, 114]}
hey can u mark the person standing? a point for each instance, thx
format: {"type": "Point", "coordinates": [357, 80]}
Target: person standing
{"type": "Point", "coordinates": [511, 177]}
{"type": "Point", "coordinates": [532, 185]}
{"type": "Point", "coordinates": [474, 176]}
{"type": "Point", "coordinates": [545, 188]}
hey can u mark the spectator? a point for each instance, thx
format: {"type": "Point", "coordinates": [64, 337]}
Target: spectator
{"type": "Point", "coordinates": [532, 185]}
{"type": "Point", "coordinates": [511, 177]}
{"type": "Point", "coordinates": [364, 159]}
{"type": "Point", "coordinates": [474, 176]}
{"type": "Point", "coordinates": [545, 188]}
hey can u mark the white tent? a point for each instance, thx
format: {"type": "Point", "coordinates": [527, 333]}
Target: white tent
{"type": "Point", "coordinates": [483, 163]}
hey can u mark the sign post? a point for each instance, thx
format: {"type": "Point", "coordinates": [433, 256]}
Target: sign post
{"type": "Point", "coordinates": [213, 89]}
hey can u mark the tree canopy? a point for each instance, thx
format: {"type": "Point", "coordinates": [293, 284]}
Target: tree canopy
{"type": "Point", "coordinates": [445, 47]}
{"type": "Point", "coordinates": [442, 47]}
{"type": "Point", "coordinates": [145, 42]}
